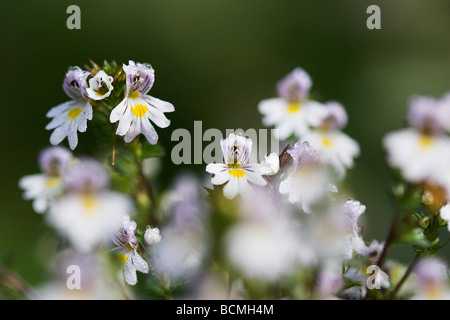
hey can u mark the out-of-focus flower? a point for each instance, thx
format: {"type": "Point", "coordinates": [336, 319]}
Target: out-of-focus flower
{"type": "Point", "coordinates": [445, 214]}
{"type": "Point", "coordinates": [432, 280]}
{"type": "Point", "coordinates": [71, 116]}
{"type": "Point", "coordinates": [421, 151]}
{"type": "Point", "coordinates": [185, 240]}
{"type": "Point", "coordinates": [334, 147]}
{"type": "Point", "coordinates": [100, 86]}
{"type": "Point", "coordinates": [360, 275]}
{"type": "Point", "coordinates": [236, 173]}
{"type": "Point", "coordinates": [152, 236]}
{"type": "Point", "coordinates": [292, 113]}
{"type": "Point", "coordinates": [127, 248]}
{"type": "Point", "coordinates": [267, 243]}
{"type": "Point", "coordinates": [78, 277]}
{"type": "Point", "coordinates": [309, 182]}
{"type": "Point", "coordinates": [329, 281]}
{"type": "Point", "coordinates": [136, 110]}
{"type": "Point", "coordinates": [45, 187]}
{"type": "Point", "coordinates": [88, 214]}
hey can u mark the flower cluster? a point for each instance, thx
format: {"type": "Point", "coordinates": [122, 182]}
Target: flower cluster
{"type": "Point", "coordinates": [134, 112]}
{"type": "Point", "coordinates": [282, 227]}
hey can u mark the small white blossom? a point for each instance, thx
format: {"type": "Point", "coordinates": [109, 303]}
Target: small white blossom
{"type": "Point", "coordinates": [100, 86]}
{"type": "Point", "coordinates": [137, 109]}
{"type": "Point", "coordinates": [236, 173]}
{"type": "Point", "coordinates": [127, 248]}
{"type": "Point", "coordinates": [292, 113]}
{"type": "Point", "coordinates": [72, 116]}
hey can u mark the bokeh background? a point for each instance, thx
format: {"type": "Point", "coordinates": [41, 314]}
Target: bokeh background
{"type": "Point", "coordinates": [215, 60]}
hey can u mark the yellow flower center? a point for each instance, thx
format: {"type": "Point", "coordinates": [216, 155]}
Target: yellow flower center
{"type": "Point", "coordinates": [139, 110]}
{"type": "Point", "coordinates": [51, 182]}
{"type": "Point", "coordinates": [124, 256]}
{"type": "Point", "coordinates": [326, 142]}
{"type": "Point", "coordinates": [74, 113]}
{"type": "Point", "coordinates": [89, 203]}
{"type": "Point", "coordinates": [425, 141]}
{"type": "Point", "coordinates": [134, 95]}
{"type": "Point", "coordinates": [235, 170]}
{"type": "Point", "coordinates": [293, 107]}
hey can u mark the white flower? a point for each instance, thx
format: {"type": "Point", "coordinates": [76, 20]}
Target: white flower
{"type": "Point", "coordinates": [136, 110]}
{"type": "Point", "coordinates": [419, 156]}
{"type": "Point", "coordinates": [334, 147]}
{"type": "Point", "coordinates": [361, 276]}
{"type": "Point", "coordinates": [88, 214]}
{"type": "Point", "coordinates": [292, 113]}
{"type": "Point", "coordinates": [236, 172]}
{"type": "Point", "coordinates": [127, 248]}
{"type": "Point", "coordinates": [265, 250]}
{"type": "Point", "coordinates": [309, 182]}
{"type": "Point", "coordinates": [432, 280]}
{"type": "Point", "coordinates": [422, 151]}
{"type": "Point", "coordinates": [71, 116]}
{"type": "Point", "coordinates": [152, 236]}
{"type": "Point", "coordinates": [44, 187]}
{"type": "Point", "coordinates": [100, 86]}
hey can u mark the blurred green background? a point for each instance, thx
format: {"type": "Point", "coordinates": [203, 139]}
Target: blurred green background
{"type": "Point", "coordinates": [215, 60]}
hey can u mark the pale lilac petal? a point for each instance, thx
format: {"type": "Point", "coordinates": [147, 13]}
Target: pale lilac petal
{"type": "Point", "coordinates": [148, 131]}
{"type": "Point", "coordinates": [118, 112]}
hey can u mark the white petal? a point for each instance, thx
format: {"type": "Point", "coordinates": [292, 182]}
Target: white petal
{"type": "Point", "coordinates": [158, 117]}
{"type": "Point", "coordinates": [220, 178]}
{"type": "Point", "coordinates": [130, 273]}
{"type": "Point", "coordinates": [139, 263]}
{"type": "Point", "coordinates": [59, 109]}
{"type": "Point", "coordinates": [161, 105]}
{"type": "Point", "coordinates": [215, 168]}
{"type": "Point", "coordinates": [59, 134]}
{"type": "Point", "coordinates": [135, 129]}
{"type": "Point", "coordinates": [231, 189]}
{"type": "Point", "coordinates": [118, 112]}
{"type": "Point", "coordinates": [148, 131]}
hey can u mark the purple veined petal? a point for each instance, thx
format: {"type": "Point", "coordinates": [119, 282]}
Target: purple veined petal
{"type": "Point", "coordinates": [216, 168]}
{"type": "Point", "coordinates": [139, 77]}
{"type": "Point", "coordinates": [118, 112]}
{"type": "Point", "coordinates": [135, 130]}
{"type": "Point", "coordinates": [148, 131]}
{"type": "Point", "coordinates": [75, 83]}
{"type": "Point", "coordinates": [161, 105]}
{"type": "Point", "coordinates": [254, 174]}
{"type": "Point", "coordinates": [158, 117]}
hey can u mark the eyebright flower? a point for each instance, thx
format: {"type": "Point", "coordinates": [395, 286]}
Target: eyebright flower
{"type": "Point", "coordinates": [432, 280]}
{"type": "Point", "coordinates": [236, 172]}
{"type": "Point", "coordinates": [127, 248]}
{"type": "Point", "coordinates": [136, 110]}
{"type": "Point", "coordinates": [71, 116]}
{"type": "Point", "coordinates": [100, 86]}
{"type": "Point", "coordinates": [334, 147]}
{"type": "Point", "coordinates": [421, 151]}
{"type": "Point", "coordinates": [44, 187]}
{"type": "Point", "coordinates": [292, 113]}
{"type": "Point", "coordinates": [89, 213]}
{"type": "Point", "coordinates": [308, 182]}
